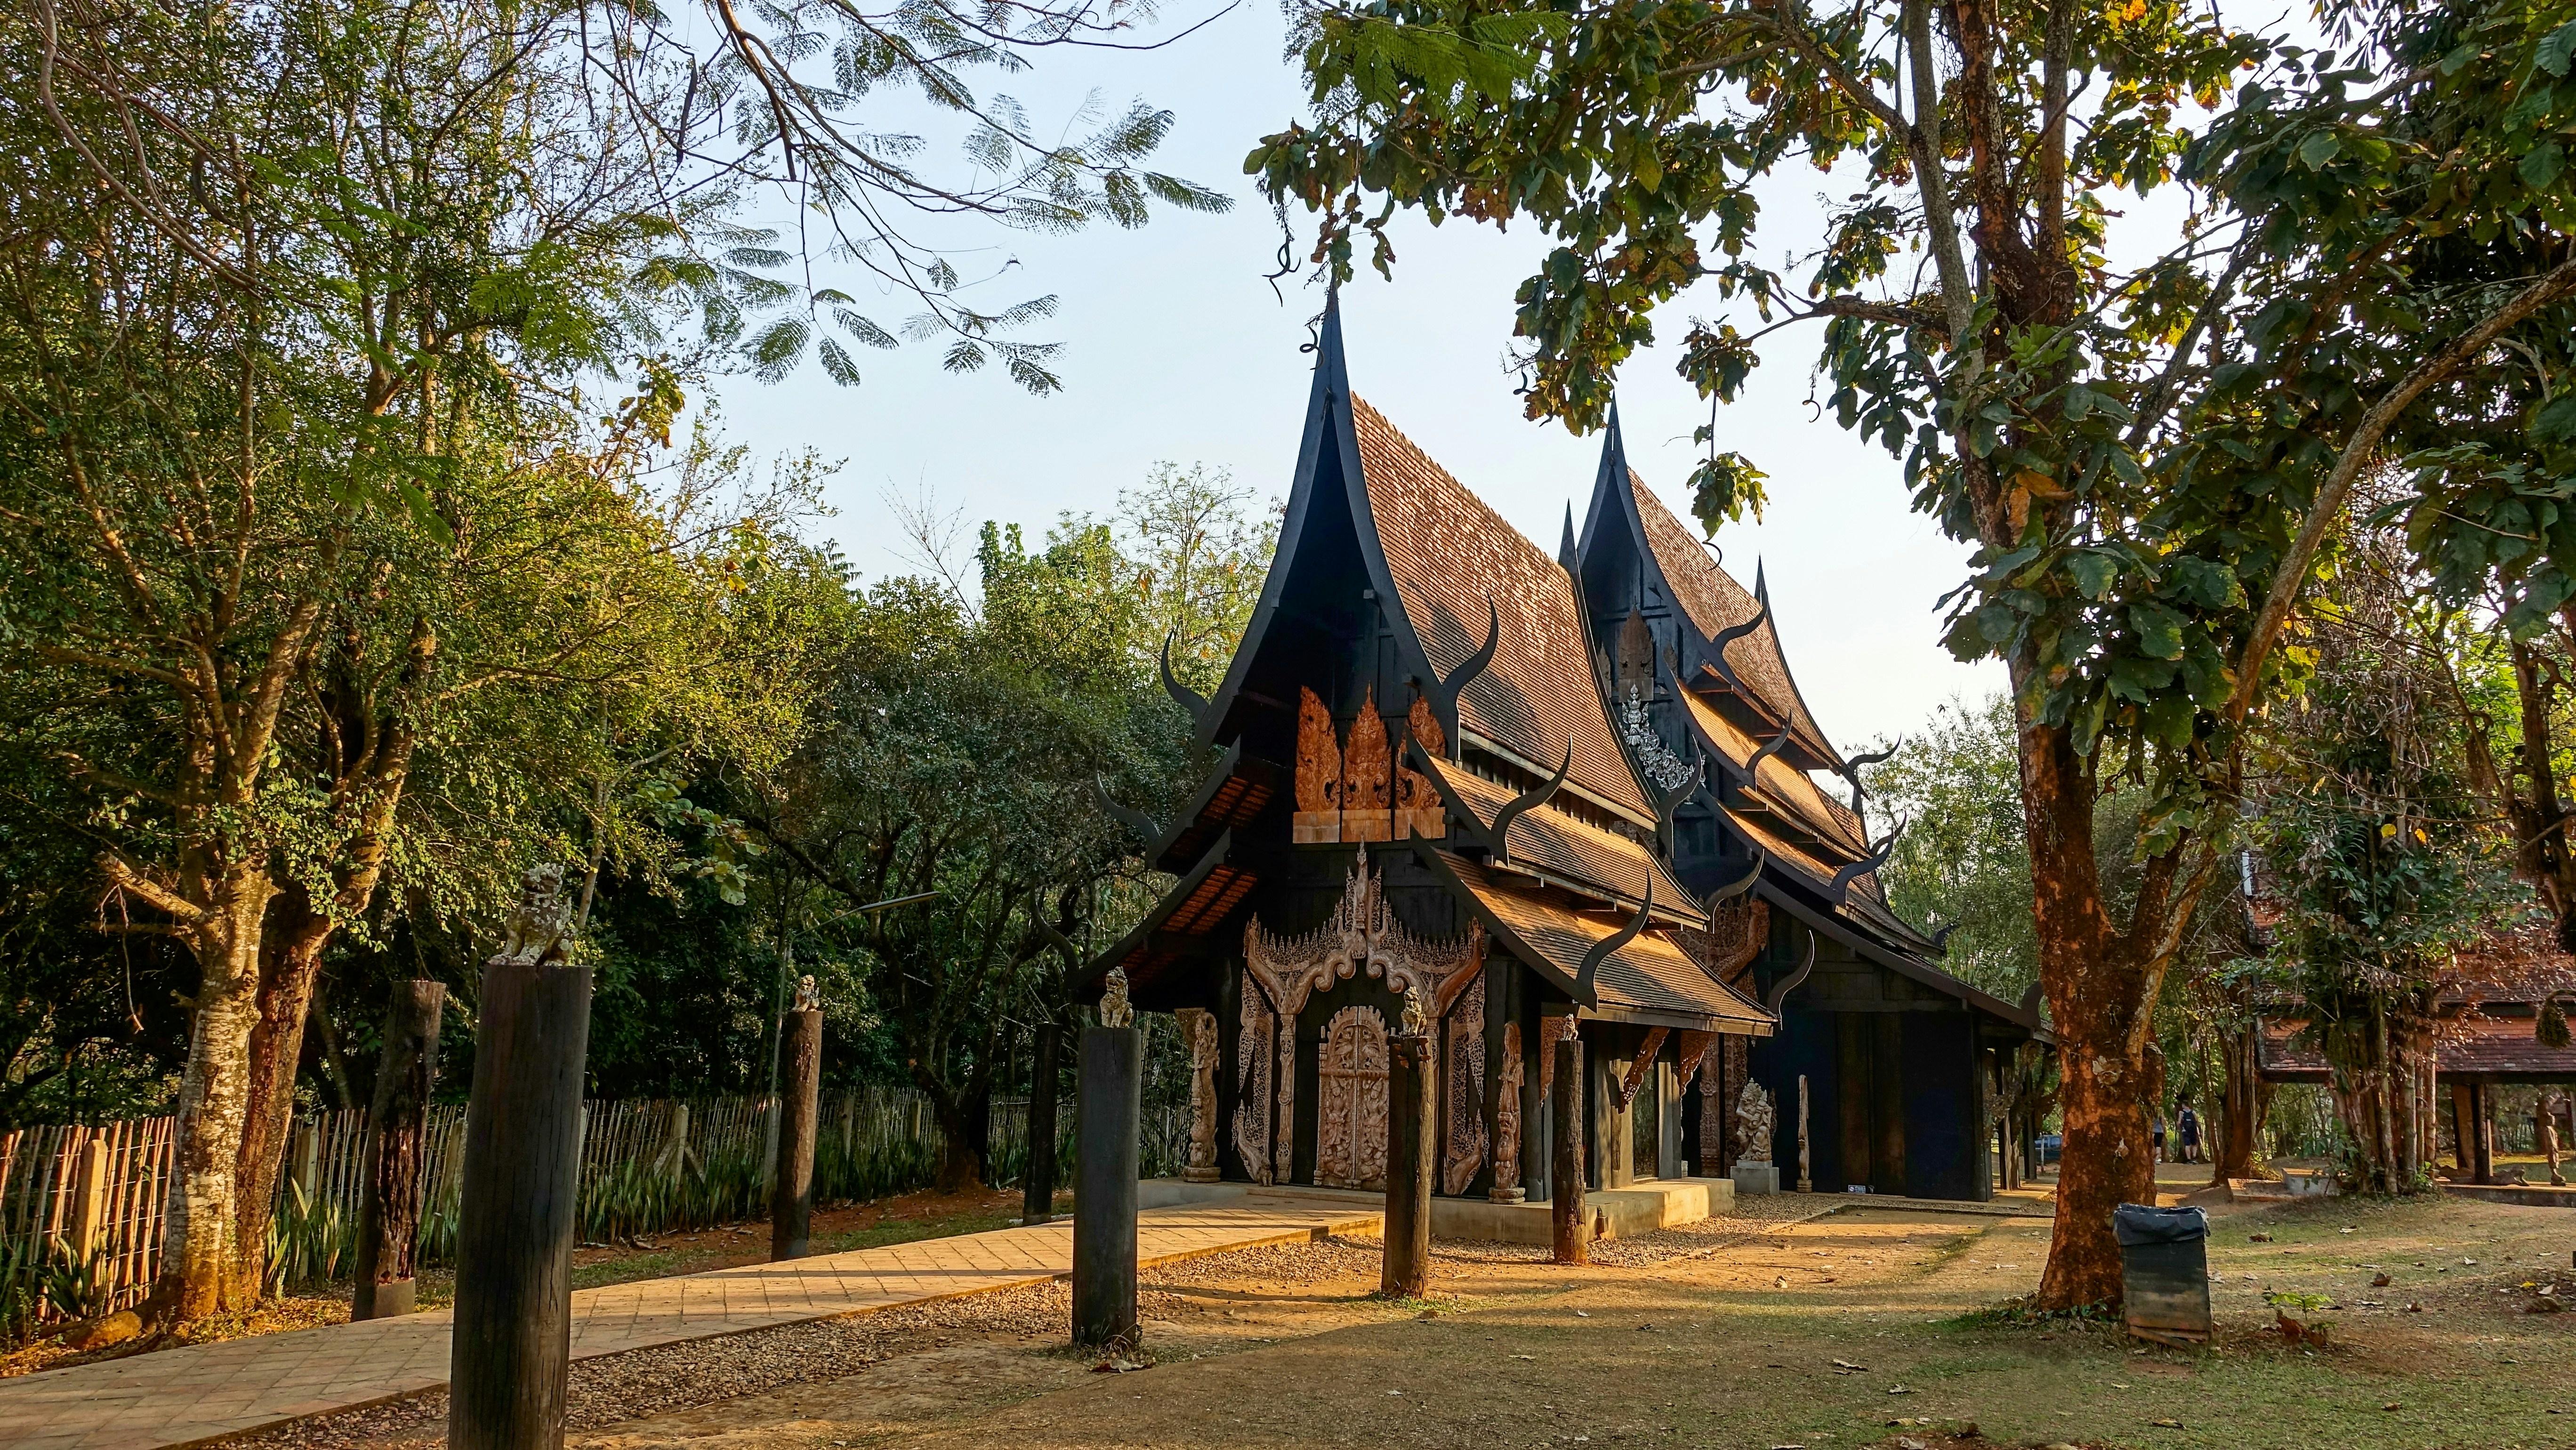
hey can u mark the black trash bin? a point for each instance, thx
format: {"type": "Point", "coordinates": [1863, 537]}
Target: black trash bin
{"type": "Point", "coordinates": [2164, 1261]}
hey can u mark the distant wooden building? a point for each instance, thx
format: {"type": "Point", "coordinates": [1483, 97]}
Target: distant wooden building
{"type": "Point", "coordinates": [1451, 765]}
{"type": "Point", "coordinates": [2486, 1018]}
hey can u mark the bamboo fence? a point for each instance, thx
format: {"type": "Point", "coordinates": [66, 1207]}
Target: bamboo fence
{"type": "Point", "coordinates": [82, 1207]}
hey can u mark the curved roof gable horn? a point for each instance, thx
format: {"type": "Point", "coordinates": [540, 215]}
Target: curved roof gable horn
{"type": "Point", "coordinates": [1182, 695]}
{"type": "Point", "coordinates": [1535, 796]}
{"type": "Point", "coordinates": [1602, 949]}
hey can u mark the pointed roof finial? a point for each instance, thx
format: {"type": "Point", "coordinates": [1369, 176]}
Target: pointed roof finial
{"type": "Point", "coordinates": [1330, 363]}
{"type": "Point", "coordinates": [1568, 552]}
{"type": "Point", "coordinates": [1761, 587]}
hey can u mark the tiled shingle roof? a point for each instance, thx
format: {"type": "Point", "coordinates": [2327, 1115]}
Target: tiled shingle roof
{"type": "Point", "coordinates": [1715, 602]}
{"type": "Point", "coordinates": [1562, 846]}
{"type": "Point", "coordinates": [1449, 553]}
{"type": "Point", "coordinates": [1787, 789]}
{"type": "Point", "coordinates": [1649, 974]}
{"type": "Point", "coordinates": [2498, 1046]}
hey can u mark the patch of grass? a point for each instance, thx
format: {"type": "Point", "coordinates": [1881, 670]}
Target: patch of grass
{"type": "Point", "coordinates": [626, 1268]}
{"type": "Point", "coordinates": [913, 1230]}
{"type": "Point", "coordinates": [2023, 1313]}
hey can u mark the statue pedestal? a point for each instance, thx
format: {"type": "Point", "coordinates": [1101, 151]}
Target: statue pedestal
{"type": "Point", "coordinates": [1199, 1175]}
{"type": "Point", "coordinates": [1752, 1177]}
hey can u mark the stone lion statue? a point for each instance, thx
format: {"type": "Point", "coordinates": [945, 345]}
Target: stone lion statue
{"type": "Point", "coordinates": [1115, 1009]}
{"type": "Point", "coordinates": [539, 928]}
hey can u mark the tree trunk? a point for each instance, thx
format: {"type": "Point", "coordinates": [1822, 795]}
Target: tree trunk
{"type": "Point", "coordinates": [964, 1119]}
{"type": "Point", "coordinates": [1037, 1187]}
{"type": "Point", "coordinates": [214, 1094]}
{"type": "Point", "coordinates": [374, 781]}
{"type": "Point", "coordinates": [396, 1152]}
{"type": "Point", "coordinates": [2239, 1113]}
{"type": "Point", "coordinates": [2100, 992]}
{"type": "Point", "coordinates": [291, 957]}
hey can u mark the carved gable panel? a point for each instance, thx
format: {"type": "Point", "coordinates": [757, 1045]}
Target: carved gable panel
{"type": "Point", "coordinates": [1366, 775]}
{"type": "Point", "coordinates": [1319, 772]}
{"type": "Point", "coordinates": [1418, 811]}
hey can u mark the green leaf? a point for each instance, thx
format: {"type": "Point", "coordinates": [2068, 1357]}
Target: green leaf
{"type": "Point", "coordinates": [2093, 572]}
{"type": "Point", "coordinates": [2555, 49]}
{"type": "Point", "coordinates": [2555, 423]}
{"type": "Point", "coordinates": [2319, 148]}
{"type": "Point", "coordinates": [2541, 165]}
{"type": "Point", "coordinates": [2159, 630]}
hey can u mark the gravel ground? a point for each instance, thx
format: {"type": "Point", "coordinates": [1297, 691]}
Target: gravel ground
{"type": "Point", "coordinates": [620, 1388]}
{"type": "Point", "coordinates": [615, 1388]}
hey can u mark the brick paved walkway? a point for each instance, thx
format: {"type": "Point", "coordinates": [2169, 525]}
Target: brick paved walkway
{"type": "Point", "coordinates": [184, 1396]}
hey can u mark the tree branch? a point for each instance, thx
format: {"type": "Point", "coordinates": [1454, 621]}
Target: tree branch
{"type": "Point", "coordinates": [2552, 285]}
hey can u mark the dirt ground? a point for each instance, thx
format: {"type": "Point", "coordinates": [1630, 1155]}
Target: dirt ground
{"type": "Point", "coordinates": [1868, 1327]}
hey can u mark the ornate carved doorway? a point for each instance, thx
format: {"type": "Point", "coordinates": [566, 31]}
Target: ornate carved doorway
{"type": "Point", "coordinates": [1350, 1128]}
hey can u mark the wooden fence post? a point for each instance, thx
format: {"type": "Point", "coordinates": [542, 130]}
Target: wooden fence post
{"type": "Point", "coordinates": [89, 1203]}
{"type": "Point", "coordinates": [389, 1166]}
{"type": "Point", "coordinates": [512, 1342]}
{"type": "Point", "coordinates": [1037, 1181]}
{"type": "Point", "coordinates": [308, 1157]}
{"type": "Point", "coordinates": [1565, 1174]}
{"type": "Point", "coordinates": [791, 1189]}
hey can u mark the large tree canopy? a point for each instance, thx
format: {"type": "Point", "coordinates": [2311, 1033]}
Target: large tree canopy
{"type": "Point", "coordinates": [2146, 458]}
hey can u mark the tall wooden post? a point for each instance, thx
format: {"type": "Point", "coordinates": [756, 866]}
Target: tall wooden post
{"type": "Point", "coordinates": [2484, 1129]}
{"type": "Point", "coordinates": [522, 1194]}
{"type": "Point", "coordinates": [396, 1151]}
{"type": "Point", "coordinates": [1565, 1171]}
{"type": "Point", "coordinates": [800, 1089]}
{"type": "Point", "coordinates": [1406, 1268]}
{"type": "Point", "coordinates": [1037, 1182]}
{"type": "Point", "coordinates": [1104, 1194]}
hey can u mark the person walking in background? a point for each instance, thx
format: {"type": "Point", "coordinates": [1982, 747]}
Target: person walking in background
{"type": "Point", "coordinates": [2187, 1123]}
{"type": "Point", "coordinates": [2160, 1138]}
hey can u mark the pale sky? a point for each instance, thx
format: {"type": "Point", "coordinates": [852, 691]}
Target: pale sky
{"type": "Point", "coordinates": [1178, 349]}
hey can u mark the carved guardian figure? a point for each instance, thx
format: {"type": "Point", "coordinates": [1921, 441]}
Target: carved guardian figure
{"type": "Point", "coordinates": [1756, 1120]}
{"type": "Point", "coordinates": [1200, 1024]}
{"type": "Point", "coordinates": [1507, 1120]}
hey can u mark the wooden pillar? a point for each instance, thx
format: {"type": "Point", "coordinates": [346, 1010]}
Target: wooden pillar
{"type": "Point", "coordinates": [391, 1164]}
{"type": "Point", "coordinates": [1104, 1194]}
{"type": "Point", "coordinates": [1565, 1171]}
{"type": "Point", "coordinates": [2463, 1154]}
{"type": "Point", "coordinates": [800, 1088]}
{"type": "Point", "coordinates": [522, 1193]}
{"type": "Point", "coordinates": [2484, 1129]}
{"type": "Point", "coordinates": [1037, 1182]}
{"type": "Point", "coordinates": [1412, 1073]}
{"type": "Point", "coordinates": [1668, 1121]}
{"type": "Point", "coordinates": [1613, 1143]}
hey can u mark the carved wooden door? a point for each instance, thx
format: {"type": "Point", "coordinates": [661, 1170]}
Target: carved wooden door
{"type": "Point", "coordinates": [1350, 1119]}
